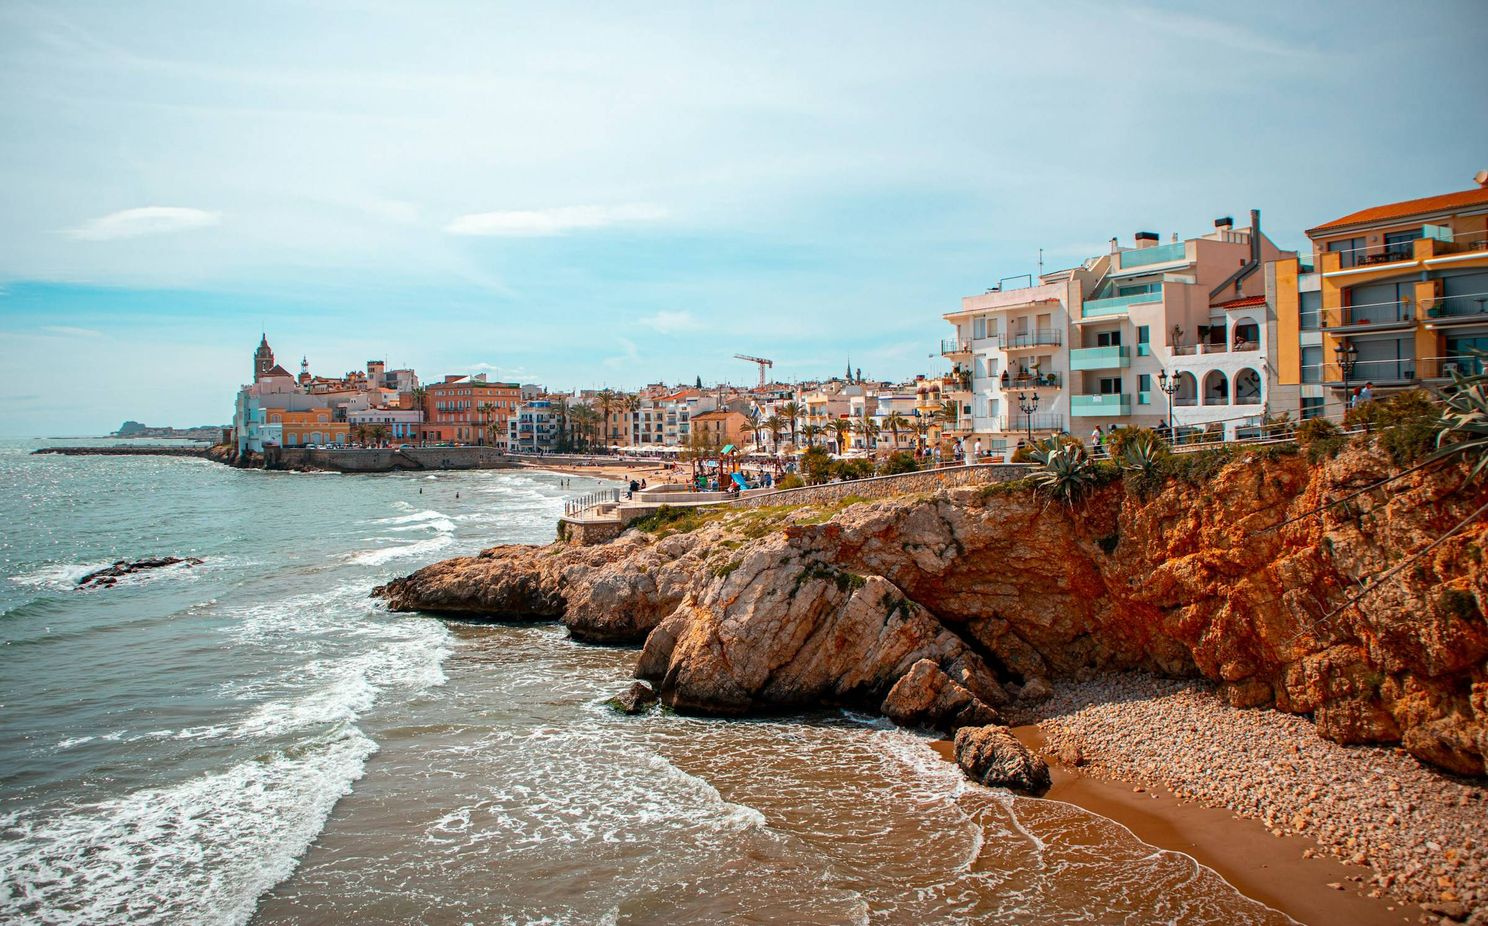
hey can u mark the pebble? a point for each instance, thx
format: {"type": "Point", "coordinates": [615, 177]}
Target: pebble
{"type": "Point", "coordinates": [1368, 805]}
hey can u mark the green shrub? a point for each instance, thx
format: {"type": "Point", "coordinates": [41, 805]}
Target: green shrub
{"type": "Point", "coordinates": [816, 465]}
{"type": "Point", "coordinates": [1064, 470]}
{"type": "Point", "coordinates": [667, 520]}
{"type": "Point", "coordinates": [896, 463]}
{"type": "Point", "coordinates": [1023, 454]}
{"type": "Point", "coordinates": [848, 470]}
{"type": "Point", "coordinates": [792, 481]}
{"type": "Point", "coordinates": [1406, 423]}
{"type": "Point", "coordinates": [1321, 438]}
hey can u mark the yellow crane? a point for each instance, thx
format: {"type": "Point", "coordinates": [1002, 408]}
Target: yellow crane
{"type": "Point", "coordinates": [763, 363]}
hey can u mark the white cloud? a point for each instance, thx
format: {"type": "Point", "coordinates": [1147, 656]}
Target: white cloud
{"type": "Point", "coordinates": [671, 322]}
{"type": "Point", "coordinates": [71, 332]}
{"type": "Point", "coordinates": [146, 220]}
{"type": "Point", "coordinates": [541, 222]}
{"type": "Point", "coordinates": [631, 355]}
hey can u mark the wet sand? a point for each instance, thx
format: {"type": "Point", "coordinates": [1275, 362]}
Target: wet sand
{"type": "Point", "coordinates": [1258, 865]}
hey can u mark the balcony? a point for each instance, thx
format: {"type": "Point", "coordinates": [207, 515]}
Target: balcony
{"type": "Point", "coordinates": [1441, 368]}
{"type": "Point", "coordinates": [1025, 380]}
{"type": "Point", "coordinates": [954, 346]}
{"type": "Point", "coordinates": [1042, 337]}
{"type": "Point", "coordinates": [1042, 421]}
{"type": "Point", "coordinates": [1100, 406]}
{"type": "Point", "coordinates": [1100, 358]}
{"type": "Point", "coordinates": [1159, 255]}
{"type": "Point", "coordinates": [1447, 311]}
{"type": "Point", "coordinates": [1396, 372]}
{"type": "Point", "coordinates": [1116, 305]}
{"type": "Point", "coordinates": [1395, 315]}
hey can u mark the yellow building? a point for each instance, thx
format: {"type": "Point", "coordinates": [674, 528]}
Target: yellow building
{"type": "Point", "coordinates": [315, 426]}
{"type": "Point", "coordinates": [1394, 296]}
{"type": "Point", "coordinates": [721, 428]}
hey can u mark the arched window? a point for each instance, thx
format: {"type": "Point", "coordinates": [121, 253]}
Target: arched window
{"type": "Point", "coordinates": [1247, 335]}
{"type": "Point", "coordinates": [1216, 388]}
{"type": "Point", "coordinates": [1247, 387]}
{"type": "Point", "coordinates": [1188, 390]}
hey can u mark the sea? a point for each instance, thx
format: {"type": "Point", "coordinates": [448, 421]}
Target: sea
{"type": "Point", "coordinates": [256, 740]}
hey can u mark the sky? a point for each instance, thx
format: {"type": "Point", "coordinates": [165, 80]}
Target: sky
{"type": "Point", "coordinates": [591, 194]}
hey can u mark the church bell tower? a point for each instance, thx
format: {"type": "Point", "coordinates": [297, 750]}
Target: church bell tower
{"type": "Point", "coordinates": [263, 358]}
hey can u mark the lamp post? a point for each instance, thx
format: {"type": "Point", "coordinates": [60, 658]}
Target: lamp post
{"type": "Point", "coordinates": [1169, 385]}
{"type": "Point", "coordinates": [1028, 404]}
{"type": "Point", "coordinates": [1347, 355]}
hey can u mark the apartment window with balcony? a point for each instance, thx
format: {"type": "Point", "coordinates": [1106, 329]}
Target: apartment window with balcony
{"type": "Point", "coordinates": [1309, 310]}
{"type": "Point", "coordinates": [1312, 364]}
{"type": "Point", "coordinates": [1398, 244]}
{"type": "Point", "coordinates": [1350, 251]}
{"type": "Point", "coordinates": [1379, 303]}
{"type": "Point", "coordinates": [1110, 385]}
{"type": "Point", "coordinates": [1144, 340]}
{"type": "Point", "coordinates": [1108, 338]}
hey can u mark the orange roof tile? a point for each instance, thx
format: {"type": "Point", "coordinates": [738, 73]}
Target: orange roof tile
{"type": "Point", "coordinates": [1242, 302]}
{"type": "Point", "coordinates": [1409, 207]}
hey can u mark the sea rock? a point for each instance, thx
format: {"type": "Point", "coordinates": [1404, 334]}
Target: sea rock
{"type": "Point", "coordinates": [992, 756]}
{"type": "Point", "coordinates": [927, 697]}
{"type": "Point", "coordinates": [635, 700]}
{"type": "Point", "coordinates": [110, 575]}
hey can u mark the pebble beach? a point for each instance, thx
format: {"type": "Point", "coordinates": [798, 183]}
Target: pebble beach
{"type": "Point", "coordinates": [1420, 837]}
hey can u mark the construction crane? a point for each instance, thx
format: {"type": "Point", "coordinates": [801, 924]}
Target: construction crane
{"type": "Point", "coordinates": [763, 363]}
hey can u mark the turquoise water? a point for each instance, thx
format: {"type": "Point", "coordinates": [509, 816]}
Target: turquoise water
{"type": "Point", "coordinates": [255, 740]}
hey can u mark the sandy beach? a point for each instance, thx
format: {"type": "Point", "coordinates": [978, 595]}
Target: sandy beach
{"type": "Point", "coordinates": [601, 469]}
{"type": "Point", "coordinates": [1323, 832]}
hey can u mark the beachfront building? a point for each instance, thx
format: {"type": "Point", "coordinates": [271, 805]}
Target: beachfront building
{"type": "Point", "coordinates": [1091, 346]}
{"type": "Point", "coordinates": [314, 427]}
{"type": "Point", "coordinates": [723, 427]}
{"type": "Point", "coordinates": [534, 427]}
{"type": "Point", "coordinates": [469, 410]}
{"type": "Point", "coordinates": [399, 425]}
{"type": "Point", "coordinates": [1395, 296]}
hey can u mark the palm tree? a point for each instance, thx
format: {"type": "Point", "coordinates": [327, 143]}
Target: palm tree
{"type": "Point", "coordinates": [416, 397]}
{"type": "Point", "coordinates": [774, 425]}
{"type": "Point", "coordinates": [810, 432]}
{"type": "Point", "coordinates": [485, 409]}
{"type": "Point", "coordinates": [869, 429]}
{"type": "Point", "coordinates": [752, 415]}
{"type": "Point", "coordinates": [841, 427]}
{"type": "Point", "coordinates": [560, 406]}
{"type": "Point", "coordinates": [792, 412]}
{"type": "Point", "coordinates": [359, 433]}
{"type": "Point", "coordinates": [922, 424]}
{"type": "Point", "coordinates": [495, 429]}
{"type": "Point", "coordinates": [378, 433]}
{"type": "Point", "coordinates": [896, 423]}
{"type": "Point", "coordinates": [606, 400]}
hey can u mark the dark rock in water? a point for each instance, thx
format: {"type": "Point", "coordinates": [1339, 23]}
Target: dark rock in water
{"type": "Point", "coordinates": [992, 756]}
{"type": "Point", "coordinates": [108, 576]}
{"type": "Point", "coordinates": [635, 700]}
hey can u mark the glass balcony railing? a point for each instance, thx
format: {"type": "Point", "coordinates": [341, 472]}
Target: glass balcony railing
{"type": "Point", "coordinates": [1100, 358]}
{"type": "Point", "coordinates": [1043, 337]}
{"type": "Point", "coordinates": [1159, 255]}
{"type": "Point", "coordinates": [1100, 406]}
{"type": "Point", "coordinates": [1116, 305]}
{"type": "Point", "coordinates": [955, 346]}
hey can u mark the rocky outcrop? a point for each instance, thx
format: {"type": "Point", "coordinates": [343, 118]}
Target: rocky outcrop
{"type": "Point", "coordinates": [937, 609]}
{"type": "Point", "coordinates": [110, 575]}
{"type": "Point", "coordinates": [992, 756]}
{"type": "Point", "coordinates": [637, 699]}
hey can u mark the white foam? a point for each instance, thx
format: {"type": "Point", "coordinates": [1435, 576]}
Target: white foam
{"type": "Point", "coordinates": [425, 515]}
{"type": "Point", "coordinates": [201, 851]}
{"type": "Point", "coordinates": [380, 555]}
{"type": "Point", "coordinates": [60, 576]}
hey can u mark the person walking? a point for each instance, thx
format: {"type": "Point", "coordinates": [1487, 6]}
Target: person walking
{"type": "Point", "coordinates": [1097, 437]}
{"type": "Point", "coordinates": [976, 453]}
{"type": "Point", "coordinates": [1366, 394]}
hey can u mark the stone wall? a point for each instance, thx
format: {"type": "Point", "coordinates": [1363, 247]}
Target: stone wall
{"type": "Point", "coordinates": [589, 533]}
{"type": "Point", "coordinates": [891, 486]}
{"type": "Point", "coordinates": [414, 459]}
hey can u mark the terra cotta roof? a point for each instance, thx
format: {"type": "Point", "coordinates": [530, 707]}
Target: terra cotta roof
{"type": "Point", "coordinates": [1241, 303]}
{"type": "Point", "coordinates": [1409, 207]}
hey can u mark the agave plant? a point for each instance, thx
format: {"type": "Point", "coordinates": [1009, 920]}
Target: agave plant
{"type": "Point", "coordinates": [1142, 453]}
{"type": "Point", "coordinates": [1462, 429]}
{"type": "Point", "coordinates": [1064, 471]}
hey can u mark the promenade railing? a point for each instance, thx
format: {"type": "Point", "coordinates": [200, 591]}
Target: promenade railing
{"type": "Point", "coordinates": [591, 500]}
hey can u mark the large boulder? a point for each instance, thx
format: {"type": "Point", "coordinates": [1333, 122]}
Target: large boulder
{"type": "Point", "coordinates": [992, 756]}
{"type": "Point", "coordinates": [926, 696]}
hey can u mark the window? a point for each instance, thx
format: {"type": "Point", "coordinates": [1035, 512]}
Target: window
{"type": "Point", "coordinates": [1398, 244]}
{"type": "Point", "coordinates": [1309, 309]}
{"type": "Point", "coordinates": [1350, 249]}
{"type": "Point", "coordinates": [1312, 364]}
{"type": "Point", "coordinates": [1133, 289]}
{"type": "Point", "coordinates": [1144, 340]}
{"type": "Point", "coordinates": [1312, 406]}
{"type": "Point", "coordinates": [1144, 387]}
{"type": "Point", "coordinates": [1108, 338]}
{"type": "Point", "coordinates": [978, 328]}
{"type": "Point", "coordinates": [1110, 385]}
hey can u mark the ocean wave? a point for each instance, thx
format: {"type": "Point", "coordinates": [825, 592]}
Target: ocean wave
{"type": "Point", "coordinates": [59, 576]}
{"type": "Point", "coordinates": [380, 555]}
{"type": "Point", "coordinates": [428, 514]}
{"type": "Point", "coordinates": [201, 851]}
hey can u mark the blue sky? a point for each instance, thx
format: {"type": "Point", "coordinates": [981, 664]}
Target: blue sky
{"type": "Point", "coordinates": [590, 194]}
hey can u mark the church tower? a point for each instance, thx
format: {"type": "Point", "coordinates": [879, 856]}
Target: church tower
{"type": "Point", "coordinates": [263, 359]}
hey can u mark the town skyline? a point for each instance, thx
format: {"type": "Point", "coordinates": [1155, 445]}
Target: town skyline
{"type": "Point", "coordinates": [641, 197]}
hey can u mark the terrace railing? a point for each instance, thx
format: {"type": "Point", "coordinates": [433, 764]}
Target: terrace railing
{"type": "Point", "coordinates": [583, 503]}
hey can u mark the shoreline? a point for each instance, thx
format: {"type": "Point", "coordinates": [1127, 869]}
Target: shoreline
{"type": "Point", "coordinates": [1322, 832]}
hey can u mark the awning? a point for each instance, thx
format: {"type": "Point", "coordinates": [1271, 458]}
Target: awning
{"type": "Point", "coordinates": [728, 448]}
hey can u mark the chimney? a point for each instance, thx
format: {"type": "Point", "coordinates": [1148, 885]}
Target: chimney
{"type": "Point", "coordinates": [1146, 239]}
{"type": "Point", "coordinates": [1224, 224]}
{"type": "Point", "coordinates": [1114, 246]}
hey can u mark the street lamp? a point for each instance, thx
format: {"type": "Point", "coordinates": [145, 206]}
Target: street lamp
{"type": "Point", "coordinates": [1347, 355]}
{"type": "Point", "coordinates": [1169, 385]}
{"type": "Point", "coordinates": [1028, 404]}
